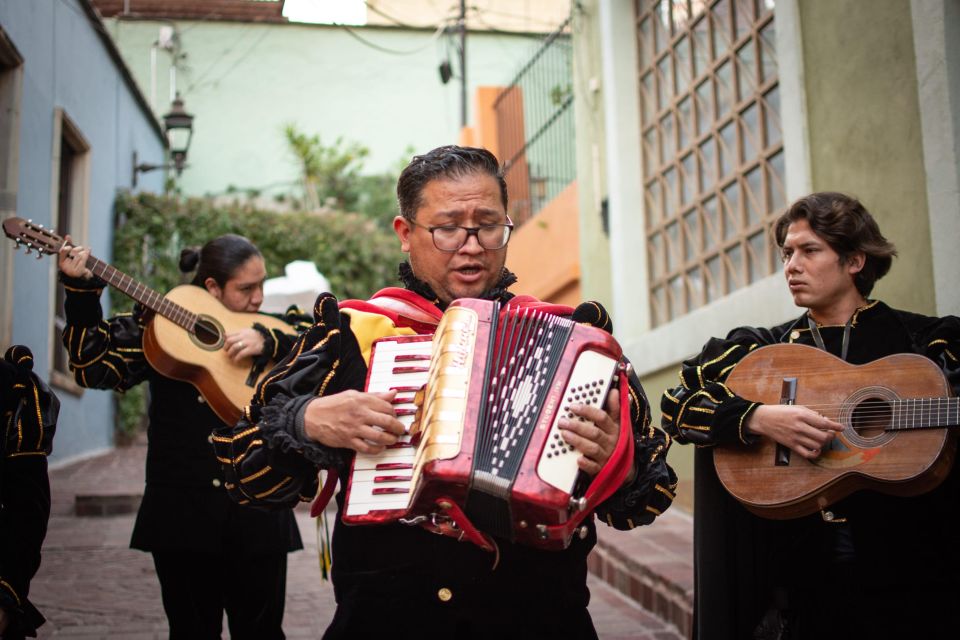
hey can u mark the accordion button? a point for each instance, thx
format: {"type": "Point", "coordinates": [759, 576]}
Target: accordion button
{"type": "Point", "coordinates": [445, 595]}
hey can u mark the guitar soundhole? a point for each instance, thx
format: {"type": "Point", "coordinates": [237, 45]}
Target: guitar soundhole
{"type": "Point", "coordinates": [871, 417]}
{"type": "Point", "coordinates": [208, 333]}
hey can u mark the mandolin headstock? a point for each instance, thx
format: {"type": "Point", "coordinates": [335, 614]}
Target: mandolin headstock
{"type": "Point", "coordinates": [35, 237]}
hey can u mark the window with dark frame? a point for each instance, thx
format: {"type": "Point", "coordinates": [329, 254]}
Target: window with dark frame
{"type": "Point", "coordinates": [712, 148]}
{"type": "Point", "coordinates": [71, 179]}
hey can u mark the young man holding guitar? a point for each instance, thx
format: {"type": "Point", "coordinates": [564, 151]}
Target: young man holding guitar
{"type": "Point", "coordinates": [858, 557]}
{"type": "Point", "coordinates": [211, 555]}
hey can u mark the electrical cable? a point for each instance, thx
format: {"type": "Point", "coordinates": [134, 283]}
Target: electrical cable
{"type": "Point", "coordinates": [217, 60]}
{"type": "Point", "coordinates": [436, 34]}
{"type": "Point", "coordinates": [236, 62]}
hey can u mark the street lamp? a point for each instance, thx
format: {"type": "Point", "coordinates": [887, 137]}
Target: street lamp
{"type": "Point", "coordinates": [178, 128]}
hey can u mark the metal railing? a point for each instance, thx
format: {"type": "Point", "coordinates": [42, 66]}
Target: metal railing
{"type": "Point", "coordinates": [535, 126]}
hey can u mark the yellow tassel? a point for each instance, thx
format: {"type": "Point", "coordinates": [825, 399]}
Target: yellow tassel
{"type": "Point", "coordinates": [323, 541]}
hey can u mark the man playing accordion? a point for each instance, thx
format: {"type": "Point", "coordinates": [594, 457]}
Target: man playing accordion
{"type": "Point", "coordinates": [311, 413]}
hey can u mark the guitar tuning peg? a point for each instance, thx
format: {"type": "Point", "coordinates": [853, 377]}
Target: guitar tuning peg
{"type": "Point", "coordinates": [39, 255]}
{"type": "Point", "coordinates": [27, 251]}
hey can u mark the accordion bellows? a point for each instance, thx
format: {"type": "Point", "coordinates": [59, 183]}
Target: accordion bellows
{"type": "Point", "coordinates": [482, 399]}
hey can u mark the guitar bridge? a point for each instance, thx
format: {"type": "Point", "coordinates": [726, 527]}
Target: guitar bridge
{"type": "Point", "coordinates": [788, 395]}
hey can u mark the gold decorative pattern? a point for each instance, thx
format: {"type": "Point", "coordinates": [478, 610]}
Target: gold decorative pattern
{"type": "Point", "coordinates": [740, 423]}
{"type": "Point", "coordinates": [257, 474]}
{"type": "Point", "coordinates": [274, 488]}
{"type": "Point", "coordinates": [6, 585]}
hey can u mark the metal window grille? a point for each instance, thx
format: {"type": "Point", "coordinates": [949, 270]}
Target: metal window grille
{"type": "Point", "coordinates": [712, 147]}
{"type": "Point", "coordinates": [535, 126]}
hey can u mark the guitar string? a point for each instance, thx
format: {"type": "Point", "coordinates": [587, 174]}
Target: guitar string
{"type": "Point", "coordinates": [879, 413]}
{"type": "Point", "coordinates": [879, 406]}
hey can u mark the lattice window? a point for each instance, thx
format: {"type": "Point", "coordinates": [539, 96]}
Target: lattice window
{"type": "Point", "coordinates": [712, 148]}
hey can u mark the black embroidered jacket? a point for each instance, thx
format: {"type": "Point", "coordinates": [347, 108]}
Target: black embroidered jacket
{"type": "Point", "coordinates": [269, 461]}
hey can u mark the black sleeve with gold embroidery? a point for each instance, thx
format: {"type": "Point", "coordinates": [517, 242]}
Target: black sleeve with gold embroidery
{"type": "Point", "coordinates": [939, 340]}
{"type": "Point", "coordinates": [702, 410]}
{"type": "Point", "coordinates": [29, 415]}
{"type": "Point", "coordinates": [104, 354]}
{"type": "Point", "coordinates": [653, 488]}
{"type": "Point", "coordinates": [266, 457]}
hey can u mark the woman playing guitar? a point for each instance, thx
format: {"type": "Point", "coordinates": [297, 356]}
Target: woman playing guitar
{"type": "Point", "coordinates": [869, 565]}
{"type": "Point", "coordinates": [210, 554]}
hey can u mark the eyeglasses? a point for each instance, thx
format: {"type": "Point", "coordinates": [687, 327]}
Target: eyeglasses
{"type": "Point", "coordinates": [451, 238]}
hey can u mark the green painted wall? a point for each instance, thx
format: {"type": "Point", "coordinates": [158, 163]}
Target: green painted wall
{"type": "Point", "coordinates": [243, 82]}
{"type": "Point", "coordinates": [864, 127]}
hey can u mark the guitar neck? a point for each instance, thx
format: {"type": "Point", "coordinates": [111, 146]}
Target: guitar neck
{"type": "Point", "coordinates": [925, 413]}
{"type": "Point", "coordinates": [143, 294]}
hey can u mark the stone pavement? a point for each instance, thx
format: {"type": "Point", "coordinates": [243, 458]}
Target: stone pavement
{"type": "Point", "coordinates": [91, 586]}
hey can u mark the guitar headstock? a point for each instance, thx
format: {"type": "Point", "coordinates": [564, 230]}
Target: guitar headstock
{"type": "Point", "coordinates": [32, 236]}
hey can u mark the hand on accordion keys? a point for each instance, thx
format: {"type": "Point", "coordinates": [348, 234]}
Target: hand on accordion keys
{"type": "Point", "coordinates": [364, 422]}
{"type": "Point", "coordinates": [595, 436]}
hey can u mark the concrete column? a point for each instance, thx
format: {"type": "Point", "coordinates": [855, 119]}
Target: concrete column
{"type": "Point", "coordinates": [620, 91]}
{"type": "Point", "coordinates": [936, 41]}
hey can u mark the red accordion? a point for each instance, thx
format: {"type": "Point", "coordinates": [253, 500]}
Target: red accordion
{"type": "Point", "coordinates": [482, 398]}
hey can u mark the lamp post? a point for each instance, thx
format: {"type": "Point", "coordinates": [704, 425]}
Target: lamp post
{"type": "Point", "coordinates": [178, 128]}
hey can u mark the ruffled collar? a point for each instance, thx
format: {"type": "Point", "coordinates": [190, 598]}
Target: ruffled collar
{"type": "Point", "coordinates": [497, 292]}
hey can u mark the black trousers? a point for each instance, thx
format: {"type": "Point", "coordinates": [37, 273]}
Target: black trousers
{"type": "Point", "coordinates": [198, 587]}
{"type": "Point", "coordinates": [404, 615]}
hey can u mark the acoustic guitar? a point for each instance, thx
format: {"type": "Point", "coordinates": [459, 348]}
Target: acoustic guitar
{"type": "Point", "coordinates": [184, 338]}
{"type": "Point", "coordinates": [895, 413]}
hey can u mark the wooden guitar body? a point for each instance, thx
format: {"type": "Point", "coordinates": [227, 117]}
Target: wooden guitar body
{"type": "Point", "coordinates": [875, 451]}
{"type": "Point", "coordinates": [198, 358]}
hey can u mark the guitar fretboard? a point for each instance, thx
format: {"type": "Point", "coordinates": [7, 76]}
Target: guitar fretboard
{"type": "Point", "coordinates": [143, 294]}
{"type": "Point", "coordinates": [925, 413]}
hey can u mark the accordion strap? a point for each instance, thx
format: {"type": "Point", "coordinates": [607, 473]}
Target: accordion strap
{"type": "Point", "coordinates": [612, 475]}
{"type": "Point", "coordinates": [464, 529]}
{"type": "Point", "coordinates": [325, 493]}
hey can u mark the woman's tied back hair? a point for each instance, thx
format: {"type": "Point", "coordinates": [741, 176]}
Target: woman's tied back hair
{"type": "Point", "coordinates": [450, 161]}
{"type": "Point", "coordinates": [846, 225]}
{"type": "Point", "coordinates": [218, 259]}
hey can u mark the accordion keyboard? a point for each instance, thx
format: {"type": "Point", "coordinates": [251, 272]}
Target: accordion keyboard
{"type": "Point", "coordinates": [383, 481]}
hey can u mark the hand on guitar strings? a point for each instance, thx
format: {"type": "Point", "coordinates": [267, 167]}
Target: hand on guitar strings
{"type": "Point", "coordinates": [364, 422]}
{"type": "Point", "coordinates": [73, 260]}
{"type": "Point", "coordinates": [797, 427]}
{"type": "Point", "coordinates": [243, 343]}
{"type": "Point", "coordinates": [595, 436]}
